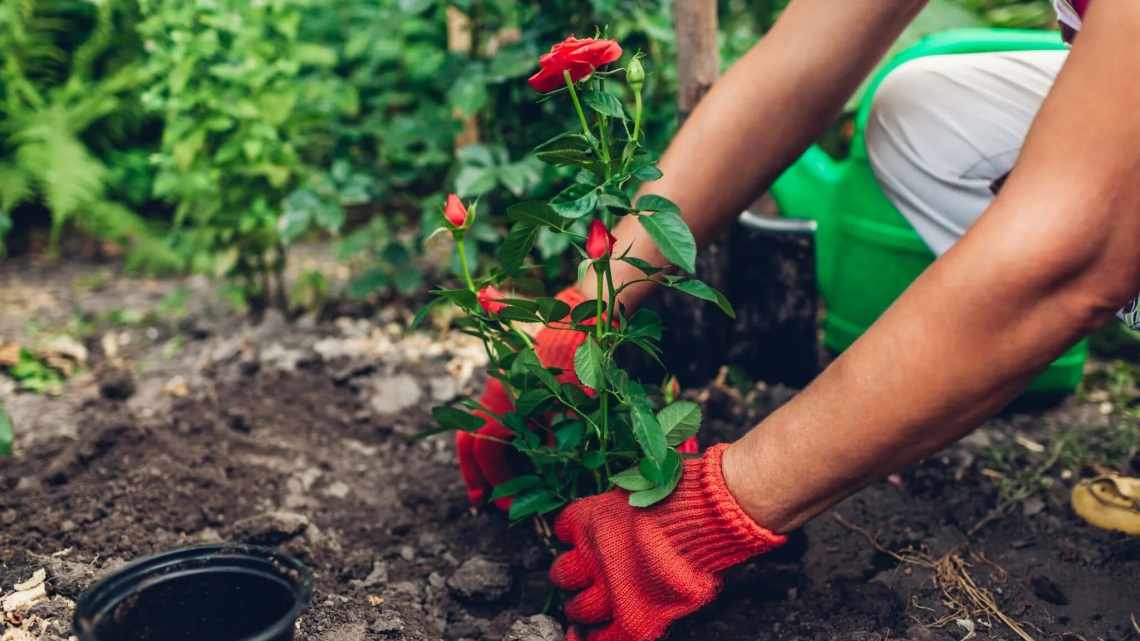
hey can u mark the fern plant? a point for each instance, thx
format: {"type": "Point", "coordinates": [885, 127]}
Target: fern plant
{"type": "Point", "coordinates": [65, 88]}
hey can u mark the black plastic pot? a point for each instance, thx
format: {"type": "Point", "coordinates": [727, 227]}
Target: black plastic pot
{"type": "Point", "coordinates": [200, 593]}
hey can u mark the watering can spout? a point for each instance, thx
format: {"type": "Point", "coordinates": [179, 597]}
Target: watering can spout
{"type": "Point", "coordinates": [807, 188]}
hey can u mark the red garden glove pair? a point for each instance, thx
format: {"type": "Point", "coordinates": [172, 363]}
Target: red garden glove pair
{"type": "Point", "coordinates": [640, 569]}
{"type": "Point", "coordinates": [484, 459]}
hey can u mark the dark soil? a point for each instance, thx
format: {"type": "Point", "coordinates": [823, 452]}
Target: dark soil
{"type": "Point", "coordinates": [299, 453]}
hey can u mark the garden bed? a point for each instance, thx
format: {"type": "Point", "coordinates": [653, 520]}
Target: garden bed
{"type": "Point", "coordinates": [207, 428]}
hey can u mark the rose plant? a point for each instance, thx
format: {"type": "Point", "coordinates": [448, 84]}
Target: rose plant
{"type": "Point", "coordinates": [560, 418]}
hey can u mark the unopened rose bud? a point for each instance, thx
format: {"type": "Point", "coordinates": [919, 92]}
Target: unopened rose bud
{"type": "Point", "coordinates": [599, 240]}
{"type": "Point", "coordinates": [455, 212]}
{"type": "Point", "coordinates": [635, 74]}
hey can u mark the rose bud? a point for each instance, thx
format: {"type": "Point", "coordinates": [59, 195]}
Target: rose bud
{"type": "Point", "coordinates": [489, 298]}
{"type": "Point", "coordinates": [635, 74]}
{"type": "Point", "coordinates": [579, 56]}
{"type": "Point", "coordinates": [455, 212]}
{"type": "Point", "coordinates": [599, 240]}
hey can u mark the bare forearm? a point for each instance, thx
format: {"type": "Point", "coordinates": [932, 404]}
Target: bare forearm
{"type": "Point", "coordinates": [763, 113]}
{"type": "Point", "coordinates": [1049, 261]}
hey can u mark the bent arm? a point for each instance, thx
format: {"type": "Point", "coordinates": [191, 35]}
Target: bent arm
{"type": "Point", "coordinates": [762, 114]}
{"type": "Point", "coordinates": [1050, 260]}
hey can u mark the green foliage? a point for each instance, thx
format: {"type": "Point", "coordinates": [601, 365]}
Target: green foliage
{"type": "Point", "coordinates": [34, 374]}
{"type": "Point", "coordinates": [620, 433]}
{"type": "Point", "coordinates": [5, 432]}
{"type": "Point", "coordinates": [68, 92]}
{"type": "Point", "coordinates": [243, 98]}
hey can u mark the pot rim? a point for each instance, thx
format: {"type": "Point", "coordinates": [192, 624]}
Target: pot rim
{"type": "Point", "coordinates": [110, 590]}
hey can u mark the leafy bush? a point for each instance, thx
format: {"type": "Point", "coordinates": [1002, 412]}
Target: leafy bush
{"type": "Point", "coordinates": [241, 105]}
{"type": "Point", "coordinates": [69, 83]}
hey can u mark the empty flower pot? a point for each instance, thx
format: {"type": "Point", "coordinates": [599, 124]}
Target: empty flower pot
{"type": "Point", "coordinates": [200, 593]}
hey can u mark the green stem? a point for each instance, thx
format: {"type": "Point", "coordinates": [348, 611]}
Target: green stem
{"type": "Point", "coordinates": [577, 105]}
{"type": "Point", "coordinates": [599, 269]}
{"type": "Point", "coordinates": [463, 262]}
{"type": "Point", "coordinates": [637, 114]}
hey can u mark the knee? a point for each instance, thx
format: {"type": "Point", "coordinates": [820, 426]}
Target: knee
{"type": "Point", "coordinates": [901, 109]}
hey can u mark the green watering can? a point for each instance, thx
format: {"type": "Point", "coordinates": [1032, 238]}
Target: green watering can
{"type": "Point", "coordinates": [866, 252]}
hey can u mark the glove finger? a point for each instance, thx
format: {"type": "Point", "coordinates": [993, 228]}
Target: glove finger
{"type": "Point", "coordinates": [569, 524]}
{"type": "Point", "coordinates": [591, 606]}
{"type": "Point", "coordinates": [574, 634]}
{"type": "Point", "coordinates": [492, 456]}
{"type": "Point", "coordinates": [495, 397]}
{"type": "Point", "coordinates": [570, 572]}
{"type": "Point", "coordinates": [469, 467]}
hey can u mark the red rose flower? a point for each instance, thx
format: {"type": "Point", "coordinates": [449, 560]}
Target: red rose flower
{"type": "Point", "coordinates": [579, 56]}
{"type": "Point", "coordinates": [454, 211]}
{"type": "Point", "coordinates": [599, 240]}
{"type": "Point", "coordinates": [489, 298]}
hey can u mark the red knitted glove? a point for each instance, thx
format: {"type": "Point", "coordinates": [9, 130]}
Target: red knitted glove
{"type": "Point", "coordinates": [484, 462]}
{"type": "Point", "coordinates": [641, 569]}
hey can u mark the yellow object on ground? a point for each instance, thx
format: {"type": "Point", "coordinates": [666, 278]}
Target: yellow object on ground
{"type": "Point", "coordinates": [1109, 502]}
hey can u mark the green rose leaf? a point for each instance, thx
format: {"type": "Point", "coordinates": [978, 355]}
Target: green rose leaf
{"type": "Point", "coordinates": [673, 238]}
{"type": "Point", "coordinates": [680, 420]}
{"type": "Point", "coordinates": [588, 363]}
{"type": "Point", "coordinates": [456, 419]}
{"type": "Point", "coordinates": [551, 309]}
{"type": "Point", "coordinates": [647, 173]}
{"type": "Point", "coordinates": [631, 480]}
{"type": "Point", "coordinates": [703, 291]}
{"type": "Point", "coordinates": [647, 431]}
{"type": "Point", "coordinates": [536, 501]}
{"type": "Point", "coordinates": [644, 324]}
{"type": "Point", "coordinates": [575, 201]}
{"type": "Point", "coordinates": [569, 435]}
{"type": "Point", "coordinates": [645, 498]}
{"type": "Point", "coordinates": [531, 400]}
{"type": "Point", "coordinates": [566, 149]}
{"type": "Point", "coordinates": [604, 103]}
{"type": "Point", "coordinates": [516, 246]}
{"type": "Point", "coordinates": [655, 203]}
{"type": "Point", "coordinates": [516, 485]}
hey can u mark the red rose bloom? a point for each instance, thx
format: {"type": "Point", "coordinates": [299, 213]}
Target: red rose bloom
{"type": "Point", "coordinates": [489, 298]}
{"type": "Point", "coordinates": [454, 211]}
{"type": "Point", "coordinates": [599, 240]}
{"type": "Point", "coordinates": [579, 56]}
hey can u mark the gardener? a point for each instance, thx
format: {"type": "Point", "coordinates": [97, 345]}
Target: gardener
{"type": "Point", "coordinates": [1020, 278]}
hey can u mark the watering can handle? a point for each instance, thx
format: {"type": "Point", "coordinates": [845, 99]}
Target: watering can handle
{"type": "Point", "coordinates": [805, 190]}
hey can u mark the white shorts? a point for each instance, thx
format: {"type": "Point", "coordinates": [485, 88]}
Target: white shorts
{"type": "Point", "coordinates": [943, 129]}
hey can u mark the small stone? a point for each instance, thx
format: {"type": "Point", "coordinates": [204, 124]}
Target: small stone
{"type": "Point", "coordinates": [436, 580]}
{"type": "Point", "coordinates": [388, 625]}
{"type": "Point", "coordinates": [539, 627]}
{"type": "Point", "coordinates": [281, 358]}
{"type": "Point", "coordinates": [392, 395]}
{"type": "Point", "coordinates": [480, 580]}
{"type": "Point", "coordinates": [443, 388]}
{"type": "Point", "coordinates": [346, 632]}
{"type": "Point", "coordinates": [271, 528]}
{"type": "Point", "coordinates": [408, 553]}
{"type": "Point", "coordinates": [337, 490]}
{"type": "Point", "coordinates": [378, 575]}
